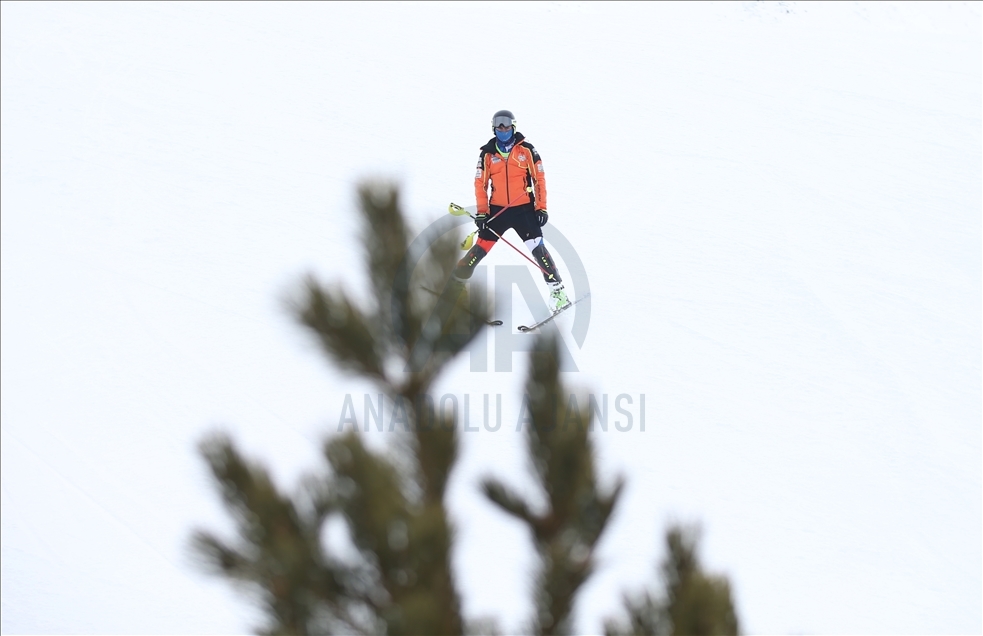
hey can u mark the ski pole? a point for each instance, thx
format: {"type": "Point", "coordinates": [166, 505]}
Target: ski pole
{"type": "Point", "coordinates": [456, 211]}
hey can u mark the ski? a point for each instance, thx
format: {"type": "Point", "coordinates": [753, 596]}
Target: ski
{"type": "Point", "coordinates": [537, 325]}
{"type": "Point", "coordinates": [490, 323]}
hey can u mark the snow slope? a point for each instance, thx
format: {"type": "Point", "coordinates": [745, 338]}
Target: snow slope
{"type": "Point", "coordinates": [778, 206]}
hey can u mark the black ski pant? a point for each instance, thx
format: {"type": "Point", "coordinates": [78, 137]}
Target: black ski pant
{"type": "Point", "coordinates": [522, 220]}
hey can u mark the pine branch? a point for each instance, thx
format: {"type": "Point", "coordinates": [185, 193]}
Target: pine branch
{"type": "Point", "coordinates": [279, 553]}
{"type": "Point", "coordinates": [502, 496]}
{"type": "Point", "coordinates": [565, 536]}
{"type": "Point", "coordinates": [691, 601]}
{"type": "Point", "coordinates": [344, 331]}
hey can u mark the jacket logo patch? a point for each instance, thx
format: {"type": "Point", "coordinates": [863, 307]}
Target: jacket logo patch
{"type": "Point", "coordinates": [495, 159]}
{"type": "Point", "coordinates": [477, 175]}
{"type": "Point", "coordinates": [539, 167]}
{"type": "Point", "coordinates": [522, 157]}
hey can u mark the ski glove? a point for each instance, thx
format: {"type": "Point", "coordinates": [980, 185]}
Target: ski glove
{"type": "Point", "coordinates": [542, 217]}
{"type": "Point", "coordinates": [481, 220]}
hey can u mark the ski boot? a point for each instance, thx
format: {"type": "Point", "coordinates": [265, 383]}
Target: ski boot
{"type": "Point", "coordinates": [558, 297]}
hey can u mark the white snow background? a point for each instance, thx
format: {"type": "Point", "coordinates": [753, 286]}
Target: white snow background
{"type": "Point", "coordinates": [778, 206]}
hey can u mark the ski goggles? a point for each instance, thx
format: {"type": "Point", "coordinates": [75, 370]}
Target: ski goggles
{"type": "Point", "coordinates": [502, 121]}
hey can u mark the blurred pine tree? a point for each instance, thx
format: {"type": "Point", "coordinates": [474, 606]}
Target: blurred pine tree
{"type": "Point", "coordinates": [403, 583]}
{"type": "Point", "coordinates": [393, 505]}
{"type": "Point", "coordinates": [566, 533]}
{"type": "Point", "coordinates": [694, 603]}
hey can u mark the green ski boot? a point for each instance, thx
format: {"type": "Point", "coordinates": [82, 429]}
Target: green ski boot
{"type": "Point", "coordinates": [558, 297]}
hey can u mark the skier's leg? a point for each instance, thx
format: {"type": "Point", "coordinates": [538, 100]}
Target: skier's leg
{"type": "Point", "coordinates": [524, 222]}
{"type": "Point", "coordinates": [531, 232]}
{"type": "Point", "coordinates": [558, 296]}
{"type": "Point", "coordinates": [465, 266]}
{"type": "Point", "coordinates": [486, 241]}
{"type": "Point", "coordinates": [545, 260]}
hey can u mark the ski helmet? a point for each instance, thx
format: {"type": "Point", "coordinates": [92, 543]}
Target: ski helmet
{"type": "Point", "coordinates": [503, 118]}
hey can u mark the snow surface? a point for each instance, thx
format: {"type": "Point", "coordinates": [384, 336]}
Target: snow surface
{"type": "Point", "coordinates": [778, 206]}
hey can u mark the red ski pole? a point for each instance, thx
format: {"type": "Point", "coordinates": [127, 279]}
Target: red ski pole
{"type": "Point", "coordinates": [457, 210]}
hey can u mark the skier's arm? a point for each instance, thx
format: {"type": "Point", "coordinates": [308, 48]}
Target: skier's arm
{"type": "Point", "coordinates": [538, 179]}
{"type": "Point", "coordinates": [481, 185]}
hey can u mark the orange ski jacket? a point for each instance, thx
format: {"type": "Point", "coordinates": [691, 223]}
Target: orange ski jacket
{"type": "Point", "coordinates": [516, 177]}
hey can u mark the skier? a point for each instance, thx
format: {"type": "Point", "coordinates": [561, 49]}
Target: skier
{"type": "Point", "coordinates": [514, 170]}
